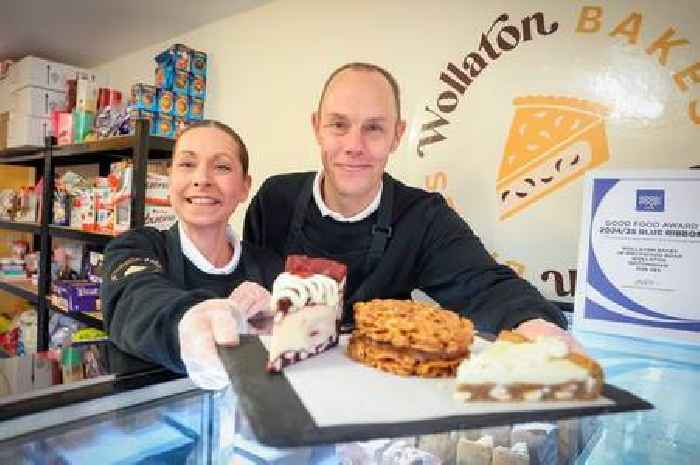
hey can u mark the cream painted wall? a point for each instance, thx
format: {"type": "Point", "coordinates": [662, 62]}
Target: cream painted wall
{"type": "Point", "coordinates": [267, 65]}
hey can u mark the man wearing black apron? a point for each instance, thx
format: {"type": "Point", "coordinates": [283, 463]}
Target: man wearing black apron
{"type": "Point", "coordinates": [393, 238]}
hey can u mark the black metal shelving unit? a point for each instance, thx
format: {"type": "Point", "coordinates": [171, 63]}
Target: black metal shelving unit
{"type": "Point", "coordinates": [139, 147]}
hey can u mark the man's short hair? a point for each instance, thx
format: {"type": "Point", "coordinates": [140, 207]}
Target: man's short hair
{"type": "Point", "coordinates": [360, 66]}
{"type": "Point", "coordinates": [210, 123]}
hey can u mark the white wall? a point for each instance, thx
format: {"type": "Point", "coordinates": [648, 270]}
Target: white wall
{"type": "Point", "coordinates": [267, 65]}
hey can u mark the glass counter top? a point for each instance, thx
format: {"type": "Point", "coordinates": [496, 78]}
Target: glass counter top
{"type": "Point", "coordinates": [133, 412]}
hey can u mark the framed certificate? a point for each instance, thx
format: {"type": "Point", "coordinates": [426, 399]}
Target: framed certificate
{"type": "Point", "coordinates": [639, 254]}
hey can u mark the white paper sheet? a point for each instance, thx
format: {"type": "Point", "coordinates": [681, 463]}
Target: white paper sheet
{"type": "Point", "coordinates": [336, 390]}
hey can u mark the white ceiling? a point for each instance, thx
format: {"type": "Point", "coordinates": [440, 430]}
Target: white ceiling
{"type": "Point", "coordinates": [87, 33]}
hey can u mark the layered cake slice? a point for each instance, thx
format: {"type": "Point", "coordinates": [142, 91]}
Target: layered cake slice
{"type": "Point", "coordinates": [308, 302]}
{"type": "Point", "coordinates": [409, 338]}
{"type": "Point", "coordinates": [515, 368]}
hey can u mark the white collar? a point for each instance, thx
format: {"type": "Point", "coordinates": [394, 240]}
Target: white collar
{"type": "Point", "coordinates": [325, 211]}
{"type": "Point", "coordinates": [195, 256]}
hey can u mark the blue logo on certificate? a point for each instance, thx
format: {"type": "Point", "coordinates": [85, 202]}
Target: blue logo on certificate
{"type": "Point", "coordinates": [650, 200]}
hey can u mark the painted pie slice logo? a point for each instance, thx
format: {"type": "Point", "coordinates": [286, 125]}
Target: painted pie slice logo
{"type": "Point", "coordinates": [552, 141]}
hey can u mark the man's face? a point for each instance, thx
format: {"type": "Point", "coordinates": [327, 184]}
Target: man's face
{"type": "Point", "coordinates": [206, 180]}
{"type": "Point", "coordinates": [357, 128]}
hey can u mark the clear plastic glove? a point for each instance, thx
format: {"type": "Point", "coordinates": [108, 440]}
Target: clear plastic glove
{"type": "Point", "coordinates": [217, 321]}
{"type": "Point", "coordinates": [534, 328]}
{"type": "Point", "coordinates": [252, 301]}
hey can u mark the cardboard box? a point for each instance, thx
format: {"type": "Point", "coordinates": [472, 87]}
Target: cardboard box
{"type": "Point", "coordinates": [35, 101]}
{"type": "Point", "coordinates": [25, 130]}
{"type": "Point", "coordinates": [37, 72]}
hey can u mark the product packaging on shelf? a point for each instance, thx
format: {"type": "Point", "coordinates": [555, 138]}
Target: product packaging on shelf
{"type": "Point", "coordinates": [28, 206]}
{"type": "Point", "coordinates": [181, 82]}
{"type": "Point", "coordinates": [165, 126]}
{"type": "Point", "coordinates": [143, 97]}
{"type": "Point", "coordinates": [182, 106]}
{"type": "Point", "coordinates": [198, 86]}
{"type": "Point", "coordinates": [198, 63]}
{"type": "Point", "coordinates": [77, 296]}
{"type": "Point", "coordinates": [86, 96]}
{"type": "Point", "coordinates": [61, 208]}
{"type": "Point", "coordinates": [63, 131]}
{"type": "Point", "coordinates": [196, 110]}
{"type": "Point", "coordinates": [166, 99]}
{"type": "Point", "coordinates": [83, 125]}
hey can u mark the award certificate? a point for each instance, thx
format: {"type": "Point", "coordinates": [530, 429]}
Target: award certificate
{"type": "Point", "coordinates": [639, 254]}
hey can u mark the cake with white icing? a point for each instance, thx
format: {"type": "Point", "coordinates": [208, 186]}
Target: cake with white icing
{"type": "Point", "coordinates": [307, 299]}
{"type": "Point", "coordinates": [515, 368]}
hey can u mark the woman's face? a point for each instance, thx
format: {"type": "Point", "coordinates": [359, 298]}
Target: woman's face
{"type": "Point", "coordinates": [206, 180]}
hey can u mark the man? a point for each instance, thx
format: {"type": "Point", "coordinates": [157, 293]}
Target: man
{"type": "Point", "coordinates": [394, 238]}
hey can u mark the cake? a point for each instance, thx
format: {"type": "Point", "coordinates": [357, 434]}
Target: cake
{"type": "Point", "coordinates": [307, 299]}
{"type": "Point", "coordinates": [409, 338]}
{"type": "Point", "coordinates": [515, 368]}
{"type": "Point", "coordinates": [552, 141]}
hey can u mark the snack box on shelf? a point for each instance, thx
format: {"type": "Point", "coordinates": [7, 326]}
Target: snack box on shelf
{"type": "Point", "coordinates": [196, 110]}
{"type": "Point", "coordinates": [181, 82]}
{"type": "Point", "coordinates": [182, 106]}
{"type": "Point", "coordinates": [198, 86]}
{"type": "Point", "coordinates": [135, 114]}
{"type": "Point", "coordinates": [198, 63]}
{"type": "Point", "coordinates": [166, 100]}
{"type": "Point", "coordinates": [165, 126]}
{"type": "Point", "coordinates": [143, 97]}
{"type": "Point", "coordinates": [77, 296]}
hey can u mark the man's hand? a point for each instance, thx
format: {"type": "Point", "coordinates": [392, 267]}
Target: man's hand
{"type": "Point", "coordinates": [217, 321]}
{"type": "Point", "coordinates": [533, 328]}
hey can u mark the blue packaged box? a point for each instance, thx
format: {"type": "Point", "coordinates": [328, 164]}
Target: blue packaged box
{"type": "Point", "coordinates": [143, 97]}
{"type": "Point", "coordinates": [178, 55]}
{"type": "Point", "coordinates": [196, 111]}
{"type": "Point", "coordinates": [165, 126]}
{"type": "Point", "coordinates": [135, 114]}
{"type": "Point", "coordinates": [181, 82]}
{"type": "Point", "coordinates": [198, 86]}
{"type": "Point", "coordinates": [182, 105]}
{"type": "Point", "coordinates": [165, 75]}
{"type": "Point", "coordinates": [166, 101]}
{"type": "Point", "coordinates": [198, 63]}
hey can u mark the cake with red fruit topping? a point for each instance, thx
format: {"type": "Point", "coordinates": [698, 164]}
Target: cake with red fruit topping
{"type": "Point", "coordinates": [308, 302]}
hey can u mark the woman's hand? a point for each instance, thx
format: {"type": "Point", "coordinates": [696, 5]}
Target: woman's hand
{"type": "Point", "coordinates": [218, 322]}
{"type": "Point", "coordinates": [534, 328]}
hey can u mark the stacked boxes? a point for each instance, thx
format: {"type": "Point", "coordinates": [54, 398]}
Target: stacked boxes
{"type": "Point", "coordinates": [179, 92]}
{"type": "Point", "coordinates": [30, 93]}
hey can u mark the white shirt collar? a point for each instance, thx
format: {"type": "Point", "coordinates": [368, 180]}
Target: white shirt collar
{"type": "Point", "coordinates": [195, 256]}
{"type": "Point", "coordinates": [325, 211]}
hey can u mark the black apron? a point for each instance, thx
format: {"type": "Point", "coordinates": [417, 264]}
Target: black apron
{"type": "Point", "coordinates": [380, 235]}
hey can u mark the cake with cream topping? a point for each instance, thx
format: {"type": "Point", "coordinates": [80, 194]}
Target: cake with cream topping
{"type": "Point", "coordinates": [515, 368]}
{"type": "Point", "coordinates": [308, 302]}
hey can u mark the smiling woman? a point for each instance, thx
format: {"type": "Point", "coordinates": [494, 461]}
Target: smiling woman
{"type": "Point", "coordinates": [202, 283]}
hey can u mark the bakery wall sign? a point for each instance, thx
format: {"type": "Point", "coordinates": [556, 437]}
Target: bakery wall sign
{"type": "Point", "coordinates": [554, 95]}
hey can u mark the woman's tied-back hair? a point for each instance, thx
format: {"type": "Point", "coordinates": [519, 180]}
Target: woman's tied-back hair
{"type": "Point", "coordinates": [210, 123]}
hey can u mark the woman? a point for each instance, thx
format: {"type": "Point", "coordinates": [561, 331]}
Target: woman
{"type": "Point", "coordinates": [169, 297]}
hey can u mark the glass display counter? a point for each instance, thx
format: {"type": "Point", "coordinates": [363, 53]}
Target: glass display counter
{"type": "Point", "coordinates": [130, 412]}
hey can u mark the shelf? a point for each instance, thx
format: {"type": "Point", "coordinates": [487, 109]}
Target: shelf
{"type": "Point", "coordinates": [92, 319]}
{"type": "Point", "coordinates": [80, 235]}
{"type": "Point", "coordinates": [20, 287]}
{"type": "Point", "coordinates": [113, 147]}
{"type": "Point", "coordinates": [24, 227]}
{"type": "Point", "coordinates": [27, 155]}
{"type": "Point", "coordinates": [89, 152]}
